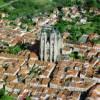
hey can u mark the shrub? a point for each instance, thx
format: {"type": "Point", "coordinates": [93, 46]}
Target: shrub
{"type": "Point", "coordinates": [17, 48]}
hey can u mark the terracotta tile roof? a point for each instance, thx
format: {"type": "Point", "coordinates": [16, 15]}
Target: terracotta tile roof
{"type": "Point", "coordinates": [96, 47]}
{"type": "Point", "coordinates": [56, 81]}
{"type": "Point", "coordinates": [11, 70]}
{"type": "Point", "coordinates": [20, 86]}
{"type": "Point", "coordinates": [71, 72]}
{"type": "Point", "coordinates": [66, 49]}
{"type": "Point", "coordinates": [33, 55]}
{"type": "Point", "coordinates": [45, 73]}
{"type": "Point", "coordinates": [2, 70]}
{"type": "Point", "coordinates": [11, 85]}
{"type": "Point", "coordinates": [45, 81]}
{"type": "Point", "coordinates": [81, 84]}
{"type": "Point", "coordinates": [95, 91]}
{"type": "Point", "coordinates": [50, 90]}
{"type": "Point", "coordinates": [24, 71]}
{"type": "Point", "coordinates": [92, 52]}
{"type": "Point", "coordinates": [93, 35]}
{"type": "Point", "coordinates": [10, 78]}
{"type": "Point", "coordinates": [16, 40]}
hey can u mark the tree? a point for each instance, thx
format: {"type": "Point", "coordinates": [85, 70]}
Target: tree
{"type": "Point", "coordinates": [22, 8]}
{"type": "Point", "coordinates": [74, 55]}
{"type": "Point", "coordinates": [14, 49]}
{"type": "Point", "coordinates": [75, 33]}
{"type": "Point", "coordinates": [4, 96]}
{"type": "Point", "coordinates": [61, 3]}
{"type": "Point", "coordinates": [61, 26]}
{"type": "Point", "coordinates": [17, 48]}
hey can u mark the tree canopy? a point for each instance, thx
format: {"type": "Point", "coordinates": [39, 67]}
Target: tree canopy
{"type": "Point", "coordinates": [21, 8]}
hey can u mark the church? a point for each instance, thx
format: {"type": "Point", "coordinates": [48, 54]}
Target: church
{"type": "Point", "coordinates": [50, 44]}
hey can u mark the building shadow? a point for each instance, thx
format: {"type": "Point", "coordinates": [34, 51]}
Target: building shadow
{"type": "Point", "coordinates": [35, 47]}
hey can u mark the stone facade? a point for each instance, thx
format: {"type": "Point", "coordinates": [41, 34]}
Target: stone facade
{"type": "Point", "coordinates": [50, 44]}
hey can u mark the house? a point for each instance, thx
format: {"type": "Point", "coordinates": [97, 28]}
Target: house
{"type": "Point", "coordinates": [66, 51]}
{"type": "Point", "coordinates": [71, 73]}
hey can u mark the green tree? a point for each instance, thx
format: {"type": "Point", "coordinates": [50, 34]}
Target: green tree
{"type": "Point", "coordinates": [4, 96]}
{"type": "Point", "coordinates": [14, 49]}
{"type": "Point", "coordinates": [61, 26]}
{"type": "Point", "coordinates": [92, 3]}
{"type": "Point", "coordinates": [74, 55]}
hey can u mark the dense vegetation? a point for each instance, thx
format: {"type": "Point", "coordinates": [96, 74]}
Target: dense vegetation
{"type": "Point", "coordinates": [4, 95]}
{"type": "Point", "coordinates": [16, 48]}
{"type": "Point", "coordinates": [35, 71]}
{"type": "Point", "coordinates": [77, 29]}
{"type": "Point", "coordinates": [4, 47]}
{"type": "Point", "coordinates": [76, 55]}
{"type": "Point", "coordinates": [21, 8]}
{"type": "Point", "coordinates": [27, 9]}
